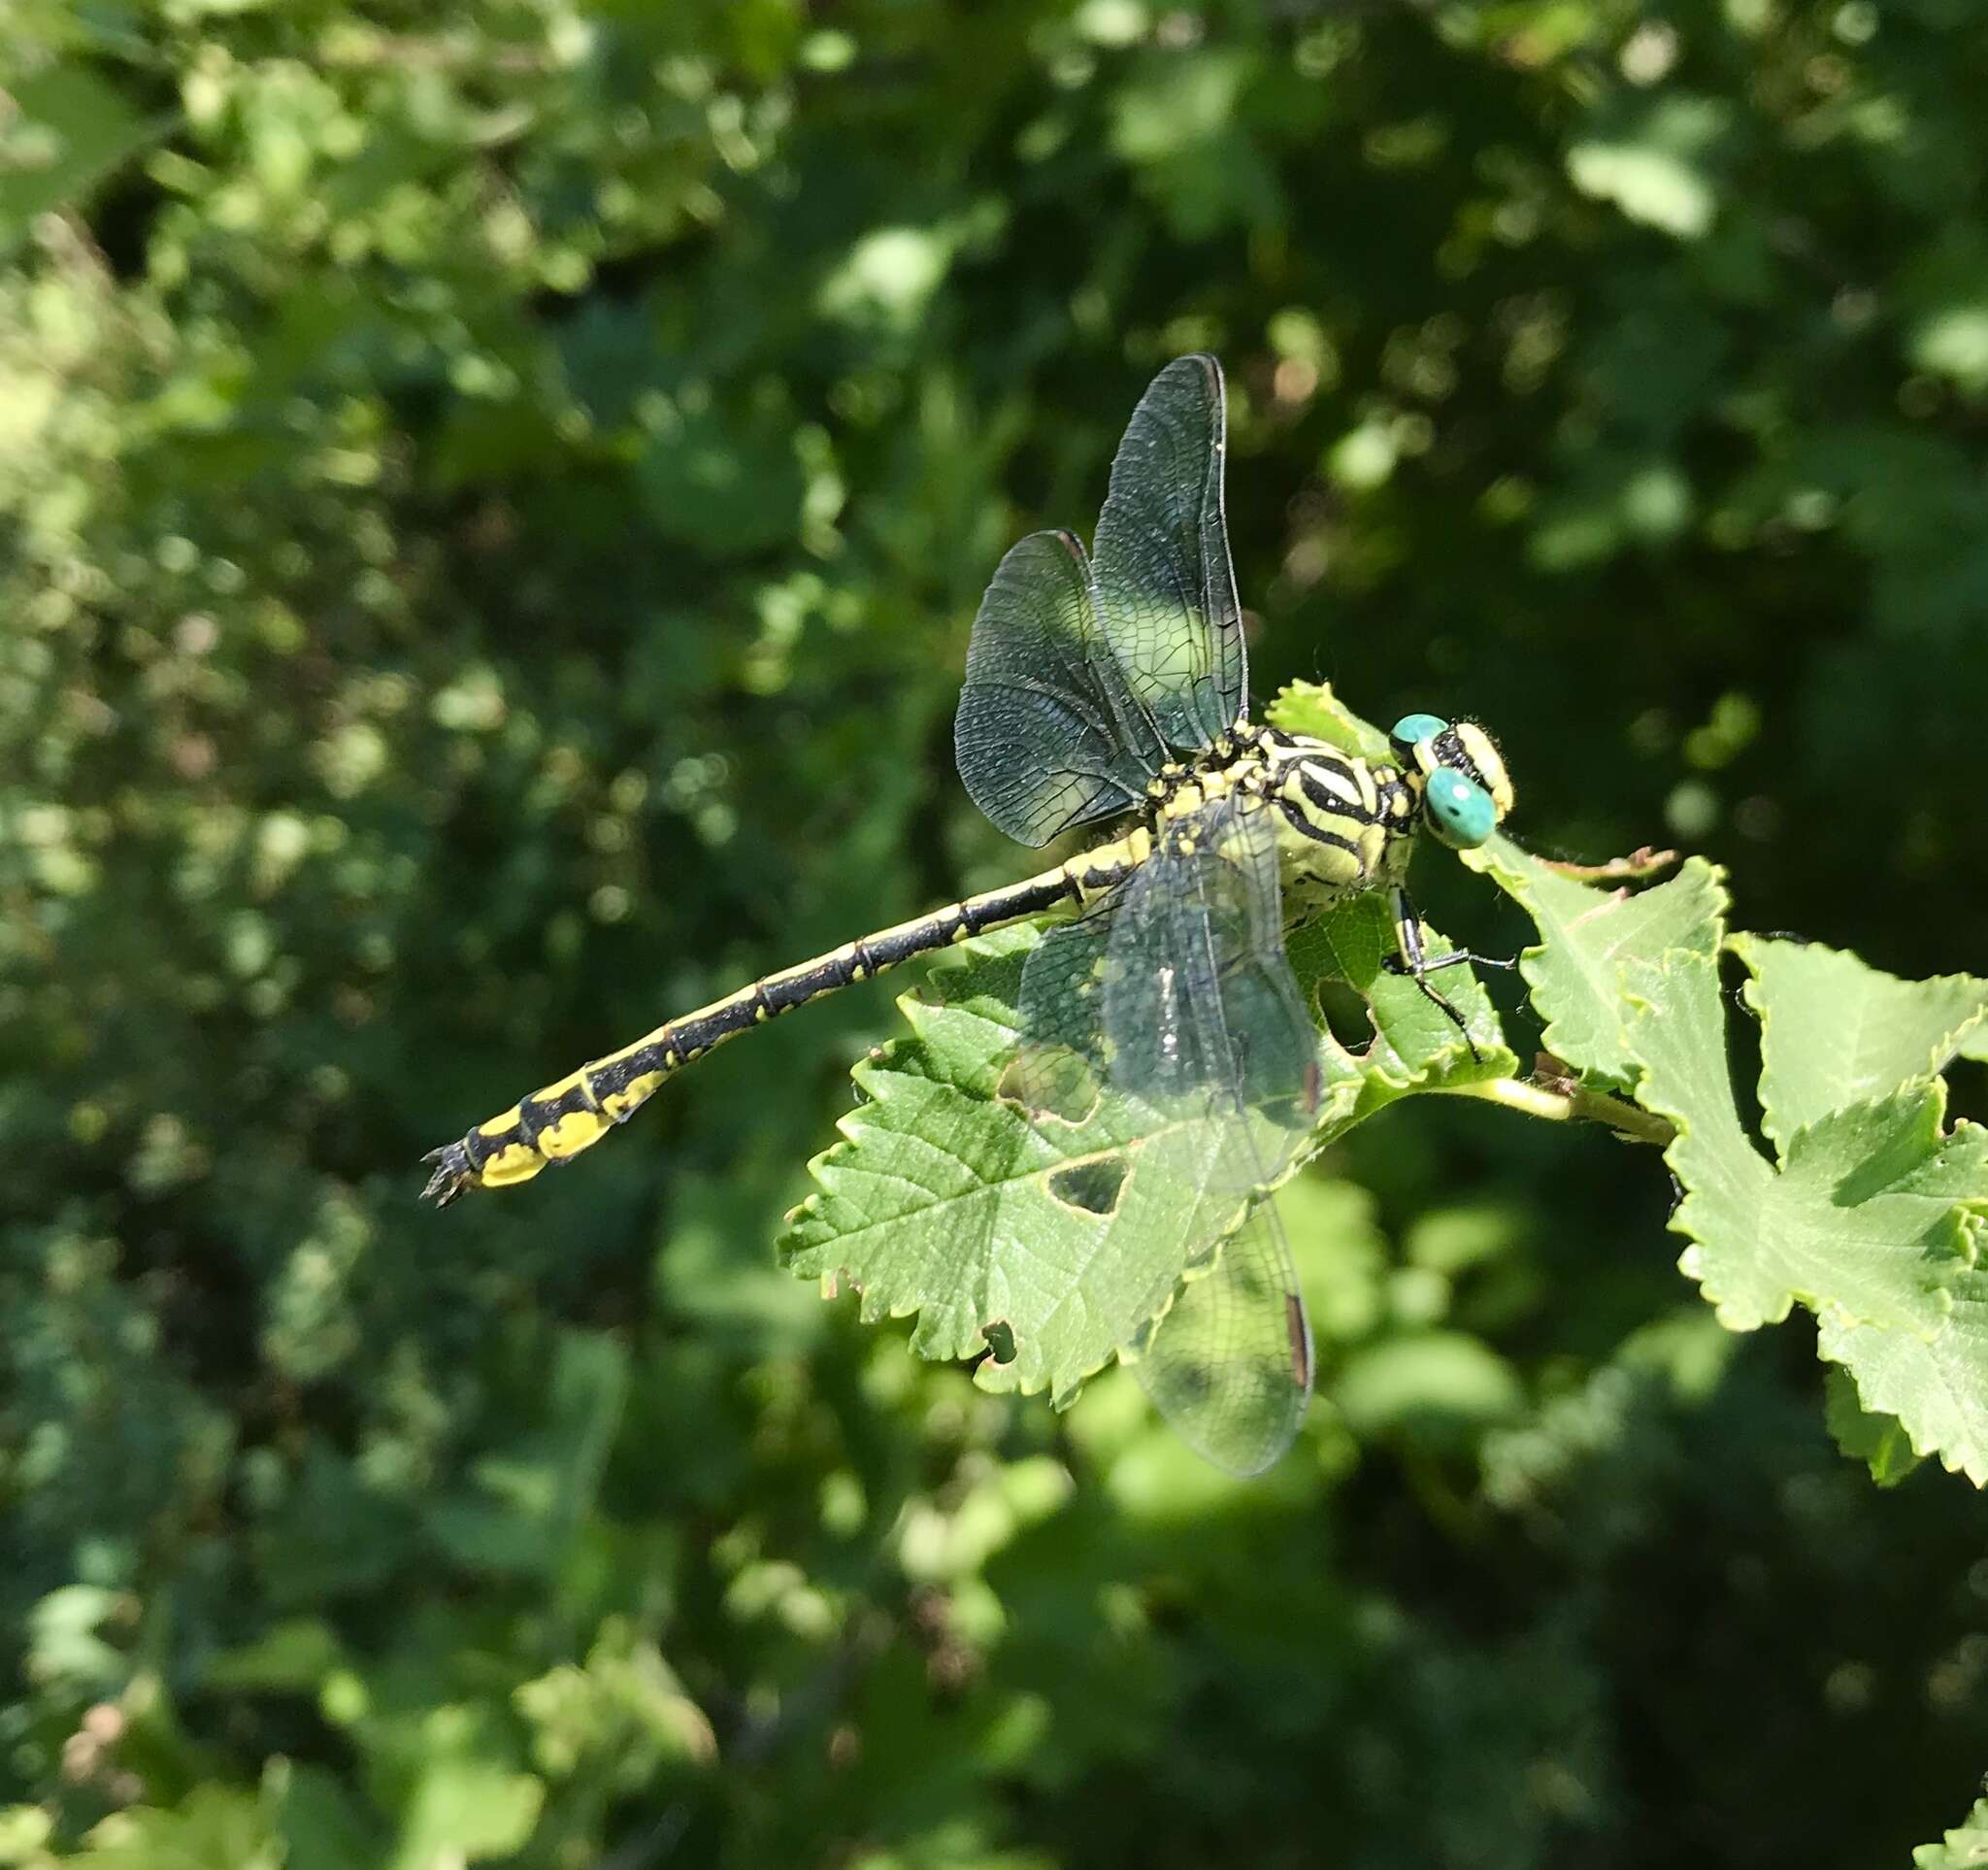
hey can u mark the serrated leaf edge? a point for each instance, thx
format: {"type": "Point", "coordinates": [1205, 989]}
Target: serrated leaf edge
{"type": "Point", "coordinates": [1744, 943]}
{"type": "Point", "coordinates": [1488, 861]}
{"type": "Point", "coordinates": [1339, 1112]}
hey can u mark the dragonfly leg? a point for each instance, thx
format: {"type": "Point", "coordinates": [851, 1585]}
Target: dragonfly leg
{"type": "Point", "coordinates": [1456, 958]}
{"type": "Point", "coordinates": [1409, 959]}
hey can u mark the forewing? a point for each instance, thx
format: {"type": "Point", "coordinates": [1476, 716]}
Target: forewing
{"type": "Point", "coordinates": [1048, 735]}
{"type": "Point", "coordinates": [1167, 590]}
{"type": "Point", "coordinates": [1229, 1362]}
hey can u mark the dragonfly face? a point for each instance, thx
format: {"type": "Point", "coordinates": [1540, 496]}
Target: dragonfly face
{"type": "Point", "coordinates": [1345, 824]}
{"type": "Point", "coordinates": [1459, 774]}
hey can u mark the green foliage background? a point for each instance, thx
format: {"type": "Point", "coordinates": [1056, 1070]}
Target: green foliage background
{"type": "Point", "coordinates": [492, 504]}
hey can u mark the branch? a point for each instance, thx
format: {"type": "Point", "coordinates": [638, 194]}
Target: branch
{"type": "Point", "coordinates": [1561, 1099]}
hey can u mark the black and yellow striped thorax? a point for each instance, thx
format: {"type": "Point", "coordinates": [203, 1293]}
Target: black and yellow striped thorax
{"type": "Point", "coordinates": [1343, 823]}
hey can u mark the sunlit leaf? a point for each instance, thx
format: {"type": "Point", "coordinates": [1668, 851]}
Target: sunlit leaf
{"type": "Point", "coordinates": [1864, 1220]}
{"type": "Point", "coordinates": [1877, 1440]}
{"type": "Point", "coordinates": [945, 1200]}
{"type": "Point", "coordinates": [1836, 1031]}
{"type": "Point", "coordinates": [1591, 936]}
{"type": "Point", "coordinates": [1964, 1848]}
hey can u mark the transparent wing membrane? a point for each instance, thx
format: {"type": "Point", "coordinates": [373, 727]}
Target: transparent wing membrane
{"type": "Point", "coordinates": [1166, 1017]}
{"type": "Point", "coordinates": [1168, 1058]}
{"type": "Point", "coordinates": [1229, 1362]}
{"type": "Point", "coordinates": [1047, 734]}
{"type": "Point", "coordinates": [1166, 591]}
{"type": "Point", "coordinates": [1199, 999]}
{"type": "Point", "coordinates": [1084, 679]}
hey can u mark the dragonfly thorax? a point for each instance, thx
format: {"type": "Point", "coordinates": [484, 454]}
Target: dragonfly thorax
{"type": "Point", "coordinates": [1340, 822]}
{"type": "Point", "coordinates": [1343, 823]}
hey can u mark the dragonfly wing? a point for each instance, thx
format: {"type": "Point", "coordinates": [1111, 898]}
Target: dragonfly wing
{"type": "Point", "coordinates": [1198, 999]}
{"type": "Point", "coordinates": [1229, 1362]}
{"type": "Point", "coordinates": [1163, 1030]}
{"type": "Point", "coordinates": [1048, 735]}
{"type": "Point", "coordinates": [1167, 589]}
{"type": "Point", "coordinates": [1173, 995]}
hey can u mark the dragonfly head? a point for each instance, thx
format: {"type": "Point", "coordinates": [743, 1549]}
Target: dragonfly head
{"type": "Point", "coordinates": [1457, 769]}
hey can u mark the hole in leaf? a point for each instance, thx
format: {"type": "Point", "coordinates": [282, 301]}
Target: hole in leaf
{"type": "Point", "coordinates": [1348, 1016]}
{"type": "Point", "coordinates": [1093, 1186]}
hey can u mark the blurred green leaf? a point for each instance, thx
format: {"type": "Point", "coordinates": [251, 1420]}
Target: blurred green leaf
{"type": "Point", "coordinates": [296, 1655]}
{"type": "Point", "coordinates": [319, 1822]}
{"type": "Point", "coordinates": [720, 483]}
{"type": "Point", "coordinates": [216, 1825]}
{"type": "Point", "coordinates": [534, 1494]}
{"type": "Point", "coordinates": [65, 134]}
{"type": "Point", "coordinates": [464, 1811]}
{"type": "Point", "coordinates": [1655, 167]}
{"type": "Point", "coordinates": [1443, 1388]}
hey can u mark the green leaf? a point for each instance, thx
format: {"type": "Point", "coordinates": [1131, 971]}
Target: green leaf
{"type": "Point", "coordinates": [1837, 1032]}
{"type": "Point", "coordinates": [1871, 1219]}
{"type": "Point", "coordinates": [322, 1825]}
{"type": "Point", "coordinates": [1440, 1386]}
{"type": "Point", "coordinates": [1589, 936]}
{"type": "Point", "coordinates": [946, 1201]}
{"type": "Point", "coordinates": [1312, 707]}
{"type": "Point", "coordinates": [1415, 1046]}
{"type": "Point", "coordinates": [1964, 1848]}
{"type": "Point", "coordinates": [216, 1824]}
{"type": "Point", "coordinates": [65, 132]}
{"type": "Point", "coordinates": [533, 1495]}
{"type": "Point", "coordinates": [1876, 1439]}
{"type": "Point", "coordinates": [1864, 1220]}
{"type": "Point", "coordinates": [1654, 167]}
{"type": "Point", "coordinates": [293, 1658]}
{"type": "Point", "coordinates": [462, 1810]}
{"type": "Point", "coordinates": [722, 484]}
{"type": "Point", "coordinates": [1937, 1385]}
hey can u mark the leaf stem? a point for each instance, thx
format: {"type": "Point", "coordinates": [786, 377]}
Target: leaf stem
{"type": "Point", "coordinates": [1562, 1101]}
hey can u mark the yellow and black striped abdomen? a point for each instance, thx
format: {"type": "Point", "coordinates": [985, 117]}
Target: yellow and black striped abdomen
{"type": "Point", "coordinates": [554, 1125]}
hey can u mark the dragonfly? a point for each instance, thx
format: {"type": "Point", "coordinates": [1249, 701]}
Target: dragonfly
{"type": "Point", "coordinates": [1113, 685]}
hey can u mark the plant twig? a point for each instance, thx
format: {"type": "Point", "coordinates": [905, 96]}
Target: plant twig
{"type": "Point", "coordinates": [1561, 1100]}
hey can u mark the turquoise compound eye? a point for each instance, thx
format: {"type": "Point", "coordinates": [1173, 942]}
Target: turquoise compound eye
{"type": "Point", "coordinates": [1411, 730]}
{"type": "Point", "coordinates": [1460, 811]}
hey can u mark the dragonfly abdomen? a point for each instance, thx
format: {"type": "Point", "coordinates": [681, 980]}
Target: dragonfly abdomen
{"type": "Point", "coordinates": [555, 1123]}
